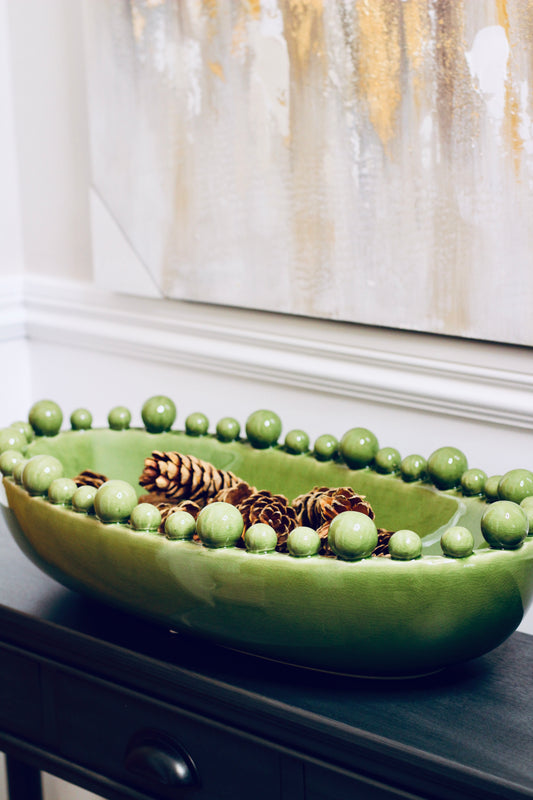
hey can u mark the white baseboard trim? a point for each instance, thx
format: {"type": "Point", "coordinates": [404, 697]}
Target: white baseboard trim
{"type": "Point", "coordinates": [472, 380]}
{"type": "Point", "coordinates": [12, 312]}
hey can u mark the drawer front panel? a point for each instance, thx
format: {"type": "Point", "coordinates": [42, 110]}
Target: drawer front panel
{"type": "Point", "coordinates": [20, 694]}
{"type": "Point", "coordinates": [98, 725]}
{"type": "Point", "coordinates": [322, 783]}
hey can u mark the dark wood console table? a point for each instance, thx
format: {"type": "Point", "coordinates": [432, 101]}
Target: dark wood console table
{"type": "Point", "coordinates": [128, 710]}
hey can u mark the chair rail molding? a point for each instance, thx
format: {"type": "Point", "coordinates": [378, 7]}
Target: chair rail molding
{"type": "Point", "coordinates": [462, 378]}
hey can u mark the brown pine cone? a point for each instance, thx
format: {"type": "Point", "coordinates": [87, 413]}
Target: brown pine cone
{"type": "Point", "coordinates": [235, 494]}
{"type": "Point", "coordinates": [90, 478]}
{"type": "Point", "coordinates": [382, 548]}
{"type": "Point", "coordinates": [271, 509]}
{"type": "Point", "coordinates": [182, 477]}
{"type": "Point", "coordinates": [318, 507]}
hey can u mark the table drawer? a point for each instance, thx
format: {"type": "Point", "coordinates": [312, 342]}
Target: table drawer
{"type": "Point", "coordinates": [130, 739]}
{"type": "Point", "coordinates": [20, 694]}
{"type": "Point", "coordinates": [322, 783]}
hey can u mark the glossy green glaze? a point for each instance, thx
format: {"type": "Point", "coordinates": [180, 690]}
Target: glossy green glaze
{"type": "Point", "coordinates": [319, 612]}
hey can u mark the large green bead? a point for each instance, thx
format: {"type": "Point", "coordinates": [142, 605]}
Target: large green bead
{"type": "Point", "coordinates": [12, 439]}
{"type": "Point", "coordinates": [352, 535]}
{"type": "Point", "coordinates": [358, 447]}
{"type": "Point", "coordinates": [39, 472]}
{"type": "Point", "coordinates": [46, 418]}
{"type": "Point", "coordinates": [219, 525]}
{"type": "Point", "coordinates": [457, 542]}
{"type": "Point", "coordinates": [505, 525]}
{"type": "Point", "coordinates": [413, 468]}
{"type": "Point", "coordinates": [446, 466]}
{"type": "Point", "coordinates": [81, 419]}
{"type": "Point", "coordinates": [260, 538]}
{"type": "Point", "coordinates": [263, 428]}
{"type": "Point", "coordinates": [114, 501]}
{"type": "Point", "coordinates": [515, 485]}
{"type": "Point", "coordinates": [9, 460]}
{"type": "Point", "coordinates": [158, 414]}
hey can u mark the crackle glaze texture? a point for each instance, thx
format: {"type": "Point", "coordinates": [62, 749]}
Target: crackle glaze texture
{"type": "Point", "coordinates": [362, 160]}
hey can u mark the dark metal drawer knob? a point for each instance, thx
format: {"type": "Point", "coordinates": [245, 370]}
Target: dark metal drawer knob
{"type": "Point", "coordinates": [157, 757]}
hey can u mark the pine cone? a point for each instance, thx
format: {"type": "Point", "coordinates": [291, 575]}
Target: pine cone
{"type": "Point", "coordinates": [271, 509]}
{"type": "Point", "coordinates": [166, 509]}
{"type": "Point", "coordinates": [235, 494]}
{"type": "Point", "coordinates": [382, 548]}
{"type": "Point", "coordinates": [181, 477]}
{"type": "Point", "coordinates": [90, 478]}
{"type": "Point", "coordinates": [318, 507]}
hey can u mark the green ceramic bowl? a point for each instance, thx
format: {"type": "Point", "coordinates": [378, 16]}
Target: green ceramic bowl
{"type": "Point", "coordinates": [378, 616]}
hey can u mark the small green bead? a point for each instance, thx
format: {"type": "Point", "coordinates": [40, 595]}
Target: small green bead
{"type": "Point", "coordinates": [260, 538]}
{"type": "Point", "coordinates": [25, 429]}
{"type": "Point", "coordinates": [83, 499]}
{"type": "Point", "coordinates": [196, 424]}
{"type": "Point", "coordinates": [9, 460]}
{"type": "Point", "coordinates": [505, 525]}
{"type": "Point", "coordinates": [457, 542]}
{"type": "Point", "coordinates": [180, 525]}
{"type": "Point", "coordinates": [445, 467]}
{"type": "Point", "coordinates": [405, 545]}
{"type": "Point", "coordinates": [303, 542]}
{"type": "Point", "coordinates": [119, 418]}
{"type": "Point", "coordinates": [228, 429]}
{"type": "Point", "coordinates": [81, 419]}
{"type": "Point", "coordinates": [527, 505]}
{"type": "Point", "coordinates": [158, 414]}
{"type": "Point", "coordinates": [18, 471]}
{"type": "Point", "coordinates": [387, 460]}
{"type": "Point", "coordinates": [326, 447]}
{"type": "Point", "coordinates": [491, 488]}
{"type": "Point", "coordinates": [263, 428]}
{"type": "Point", "coordinates": [12, 439]}
{"type": "Point", "coordinates": [39, 472]}
{"type": "Point", "coordinates": [114, 501]}
{"type": "Point", "coordinates": [219, 525]}
{"type": "Point", "coordinates": [413, 468]}
{"type": "Point", "coordinates": [358, 447]}
{"type": "Point", "coordinates": [46, 418]}
{"type": "Point", "coordinates": [297, 442]}
{"type": "Point", "coordinates": [473, 482]}
{"type": "Point", "coordinates": [61, 491]}
{"type": "Point", "coordinates": [515, 485]}
{"type": "Point", "coordinates": [352, 535]}
{"type": "Point", "coordinates": [145, 517]}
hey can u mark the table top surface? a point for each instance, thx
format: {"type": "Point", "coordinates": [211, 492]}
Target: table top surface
{"type": "Point", "coordinates": [476, 718]}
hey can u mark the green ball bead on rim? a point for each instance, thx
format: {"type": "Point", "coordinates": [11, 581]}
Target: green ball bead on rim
{"type": "Point", "coordinates": [12, 439]}
{"type": "Point", "coordinates": [505, 525]}
{"type": "Point", "coordinates": [39, 472]}
{"type": "Point", "coordinates": [457, 542]}
{"type": "Point", "coordinates": [9, 460]}
{"type": "Point", "coordinates": [445, 467]}
{"type": "Point", "coordinates": [196, 424]}
{"type": "Point", "coordinates": [46, 418]}
{"type": "Point", "coordinates": [405, 545]}
{"type": "Point", "coordinates": [358, 447]}
{"type": "Point", "coordinates": [145, 517]}
{"type": "Point", "coordinates": [413, 468]}
{"type": "Point", "coordinates": [114, 501]}
{"type": "Point", "coordinates": [515, 485]}
{"type": "Point", "coordinates": [326, 447]}
{"type": "Point", "coordinates": [387, 460]}
{"type": "Point", "coordinates": [303, 542]}
{"type": "Point", "coordinates": [219, 525]}
{"type": "Point", "coordinates": [263, 428]}
{"type": "Point", "coordinates": [473, 482]}
{"type": "Point", "coordinates": [180, 525]}
{"type": "Point", "coordinates": [119, 418]}
{"type": "Point", "coordinates": [491, 488]}
{"type": "Point", "coordinates": [260, 539]}
{"type": "Point", "coordinates": [61, 491]}
{"type": "Point", "coordinates": [352, 535]}
{"type": "Point", "coordinates": [18, 470]}
{"type": "Point", "coordinates": [81, 419]}
{"type": "Point", "coordinates": [83, 499]}
{"type": "Point", "coordinates": [228, 429]}
{"type": "Point", "coordinates": [527, 506]}
{"type": "Point", "coordinates": [158, 414]}
{"type": "Point", "coordinates": [297, 442]}
{"type": "Point", "coordinates": [25, 429]}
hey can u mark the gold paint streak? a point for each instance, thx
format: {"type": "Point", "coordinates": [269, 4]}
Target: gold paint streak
{"type": "Point", "coordinates": [138, 22]}
{"type": "Point", "coordinates": [211, 7]}
{"type": "Point", "coordinates": [217, 69]}
{"type": "Point", "coordinates": [304, 32]}
{"type": "Point", "coordinates": [417, 35]}
{"type": "Point", "coordinates": [380, 63]}
{"type": "Point", "coordinates": [254, 8]}
{"type": "Point", "coordinates": [511, 124]}
{"type": "Point", "coordinates": [502, 15]}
